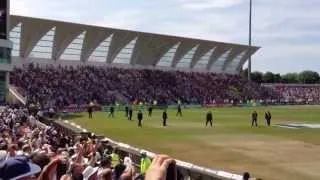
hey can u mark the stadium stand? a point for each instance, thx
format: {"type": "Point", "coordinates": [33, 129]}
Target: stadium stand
{"type": "Point", "coordinates": [56, 86]}
{"type": "Point", "coordinates": [297, 93]}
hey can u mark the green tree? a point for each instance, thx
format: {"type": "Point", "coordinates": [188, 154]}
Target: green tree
{"type": "Point", "coordinates": [290, 78]}
{"type": "Point", "coordinates": [257, 76]}
{"type": "Point", "coordinates": [277, 78]}
{"type": "Point", "coordinates": [268, 77]}
{"type": "Point", "coordinates": [309, 77]}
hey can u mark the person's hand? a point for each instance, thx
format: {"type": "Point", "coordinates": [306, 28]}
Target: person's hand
{"type": "Point", "coordinates": [158, 168]}
{"type": "Point", "coordinates": [50, 170]}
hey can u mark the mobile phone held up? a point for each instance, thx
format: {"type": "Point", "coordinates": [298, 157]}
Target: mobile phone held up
{"type": "Point", "coordinates": [172, 172]}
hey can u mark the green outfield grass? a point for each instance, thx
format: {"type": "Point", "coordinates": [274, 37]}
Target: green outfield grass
{"type": "Point", "coordinates": [232, 145]}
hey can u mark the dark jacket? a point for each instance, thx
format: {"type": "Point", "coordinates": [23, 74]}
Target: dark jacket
{"type": "Point", "coordinates": [209, 117]}
{"type": "Point", "coordinates": [164, 115]}
{"type": "Point", "coordinates": [254, 116]}
{"type": "Point", "coordinates": [267, 115]}
{"type": "Point", "coordinates": [140, 116]}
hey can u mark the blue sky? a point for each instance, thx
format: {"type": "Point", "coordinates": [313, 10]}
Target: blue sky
{"type": "Point", "coordinates": [287, 30]}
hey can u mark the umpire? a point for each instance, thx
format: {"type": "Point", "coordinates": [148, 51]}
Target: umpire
{"type": "Point", "coordinates": [164, 118]}
{"type": "Point", "coordinates": [140, 117]}
{"type": "Point", "coordinates": [209, 118]}
{"type": "Point", "coordinates": [254, 119]}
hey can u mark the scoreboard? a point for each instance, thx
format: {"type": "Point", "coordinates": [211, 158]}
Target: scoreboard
{"type": "Point", "coordinates": [3, 19]}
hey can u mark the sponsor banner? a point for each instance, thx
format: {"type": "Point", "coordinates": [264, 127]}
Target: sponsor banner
{"type": "Point", "coordinates": [78, 109]}
{"type": "Point", "coordinates": [193, 106]}
{"type": "Point", "coordinates": [217, 105]}
{"type": "Point", "coordinates": [123, 108]}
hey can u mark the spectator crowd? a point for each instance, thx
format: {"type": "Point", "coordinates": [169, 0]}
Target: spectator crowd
{"type": "Point", "coordinates": [32, 150]}
{"type": "Point", "coordinates": [296, 93]}
{"type": "Point", "coordinates": [78, 85]}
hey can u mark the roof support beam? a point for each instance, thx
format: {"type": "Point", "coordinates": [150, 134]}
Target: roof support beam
{"type": "Point", "coordinates": [14, 21]}
{"type": "Point", "coordinates": [246, 57]}
{"type": "Point", "coordinates": [236, 51]}
{"type": "Point", "coordinates": [65, 34]}
{"type": "Point", "coordinates": [219, 51]}
{"type": "Point", "coordinates": [182, 50]}
{"type": "Point", "coordinates": [29, 38]}
{"type": "Point", "coordinates": [140, 48]}
{"type": "Point", "coordinates": [166, 45]}
{"type": "Point", "coordinates": [201, 51]}
{"type": "Point", "coordinates": [93, 38]}
{"type": "Point", "coordinates": [119, 41]}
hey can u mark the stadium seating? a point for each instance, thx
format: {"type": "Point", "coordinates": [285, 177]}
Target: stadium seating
{"type": "Point", "coordinates": [297, 93]}
{"type": "Point", "coordinates": [78, 85]}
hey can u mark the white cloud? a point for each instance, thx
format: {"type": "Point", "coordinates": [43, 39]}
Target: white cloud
{"type": "Point", "coordinates": [123, 19]}
{"type": "Point", "coordinates": [207, 4]}
{"type": "Point", "coordinates": [287, 30]}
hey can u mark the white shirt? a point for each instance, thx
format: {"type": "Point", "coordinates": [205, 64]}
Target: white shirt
{"type": "Point", "coordinates": [127, 162]}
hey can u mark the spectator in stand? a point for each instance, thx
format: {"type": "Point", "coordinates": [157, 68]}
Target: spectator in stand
{"type": "Point", "coordinates": [18, 168]}
{"type": "Point", "coordinates": [298, 94]}
{"type": "Point", "coordinates": [32, 150]}
{"type": "Point", "coordinates": [145, 162]}
{"type": "Point", "coordinates": [74, 86]}
{"type": "Point", "coordinates": [140, 117]}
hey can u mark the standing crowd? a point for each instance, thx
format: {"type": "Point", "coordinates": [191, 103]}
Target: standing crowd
{"type": "Point", "coordinates": [31, 150]}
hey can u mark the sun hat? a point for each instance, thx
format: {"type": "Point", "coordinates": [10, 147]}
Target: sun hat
{"type": "Point", "coordinates": [17, 168]}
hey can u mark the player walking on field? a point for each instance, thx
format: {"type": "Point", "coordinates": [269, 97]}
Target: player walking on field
{"type": "Point", "coordinates": [164, 118]}
{"type": "Point", "coordinates": [130, 114]}
{"type": "Point", "coordinates": [140, 117]}
{"type": "Point", "coordinates": [127, 110]}
{"type": "Point", "coordinates": [111, 113]}
{"type": "Point", "coordinates": [209, 118]}
{"type": "Point", "coordinates": [179, 112]}
{"type": "Point", "coordinates": [267, 116]}
{"type": "Point", "coordinates": [150, 109]}
{"type": "Point", "coordinates": [254, 119]}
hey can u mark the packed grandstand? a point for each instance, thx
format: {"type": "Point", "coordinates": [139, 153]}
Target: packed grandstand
{"type": "Point", "coordinates": [63, 86]}
{"type": "Point", "coordinates": [67, 85]}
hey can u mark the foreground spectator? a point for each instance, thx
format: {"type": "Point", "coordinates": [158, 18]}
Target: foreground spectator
{"type": "Point", "coordinates": [18, 168]}
{"type": "Point", "coordinates": [32, 150]}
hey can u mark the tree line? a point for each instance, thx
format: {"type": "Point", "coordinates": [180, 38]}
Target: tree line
{"type": "Point", "coordinates": [304, 77]}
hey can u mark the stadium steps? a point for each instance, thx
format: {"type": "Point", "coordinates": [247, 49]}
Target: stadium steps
{"type": "Point", "coordinates": [15, 96]}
